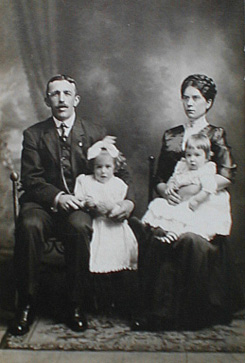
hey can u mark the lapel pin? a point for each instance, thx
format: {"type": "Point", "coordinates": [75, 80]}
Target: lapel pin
{"type": "Point", "coordinates": [80, 144]}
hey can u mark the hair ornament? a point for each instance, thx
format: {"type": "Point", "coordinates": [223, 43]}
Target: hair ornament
{"type": "Point", "coordinates": [99, 146]}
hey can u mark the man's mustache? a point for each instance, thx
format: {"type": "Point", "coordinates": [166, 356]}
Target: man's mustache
{"type": "Point", "coordinates": [62, 106]}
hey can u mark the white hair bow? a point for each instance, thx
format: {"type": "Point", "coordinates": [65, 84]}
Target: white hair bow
{"type": "Point", "coordinates": [106, 144]}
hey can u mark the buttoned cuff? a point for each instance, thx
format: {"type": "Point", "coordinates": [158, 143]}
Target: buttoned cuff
{"type": "Point", "coordinates": [56, 200]}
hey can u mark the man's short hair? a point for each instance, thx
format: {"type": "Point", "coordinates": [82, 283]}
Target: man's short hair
{"type": "Point", "coordinates": [61, 77]}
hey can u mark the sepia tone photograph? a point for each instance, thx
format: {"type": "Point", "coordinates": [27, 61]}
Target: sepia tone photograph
{"type": "Point", "coordinates": [122, 180]}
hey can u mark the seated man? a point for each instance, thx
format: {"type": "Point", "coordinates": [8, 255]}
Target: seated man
{"type": "Point", "coordinates": [54, 153]}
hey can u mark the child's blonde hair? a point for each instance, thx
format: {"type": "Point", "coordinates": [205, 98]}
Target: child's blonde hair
{"type": "Point", "coordinates": [200, 141]}
{"type": "Point", "coordinates": [119, 161]}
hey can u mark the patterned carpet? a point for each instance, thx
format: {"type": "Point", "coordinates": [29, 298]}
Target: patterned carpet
{"type": "Point", "coordinates": [110, 334]}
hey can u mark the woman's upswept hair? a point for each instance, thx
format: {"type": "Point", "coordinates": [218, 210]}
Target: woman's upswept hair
{"type": "Point", "coordinates": [201, 82]}
{"type": "Point", "coordinates": [200, 141]}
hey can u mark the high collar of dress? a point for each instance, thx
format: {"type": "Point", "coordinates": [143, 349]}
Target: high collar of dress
{"type": "Point", "coordinates": [196, 125]}
{"type": "Point", "coordinates": [192, 128]}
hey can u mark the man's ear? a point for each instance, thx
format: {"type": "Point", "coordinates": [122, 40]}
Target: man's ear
{"type": "Point", "coordinates": [77, 100]}
{"type": "Point", "coordinates": [46, 100]}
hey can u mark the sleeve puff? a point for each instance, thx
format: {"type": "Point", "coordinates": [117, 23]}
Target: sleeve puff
{"type": "Point", "coordinates": [222, 154]}
{"type": "Point", "coordinates": [79, 189]}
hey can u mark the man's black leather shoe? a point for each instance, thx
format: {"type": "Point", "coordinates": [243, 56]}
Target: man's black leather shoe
{"type": "Point", "coordinates": [77, 321]}
{"type": "Point", "coordinates": [24, 318]}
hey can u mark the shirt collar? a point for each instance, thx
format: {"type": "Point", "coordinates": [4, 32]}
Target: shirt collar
{"type": "Point", "coordinates": [69, 122]}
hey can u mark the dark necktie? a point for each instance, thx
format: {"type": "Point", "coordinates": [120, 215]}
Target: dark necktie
{"type": "Point", "coordinates": [63, 128]}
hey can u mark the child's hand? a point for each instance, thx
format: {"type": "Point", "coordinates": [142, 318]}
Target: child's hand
{"type": "Point", "coordinates": [89, 203]}
{"type": "Point", "coordinates": [114, 211]}
{"type": "Point", "coordinates": [122, 211]}
{"type": "Point", "coordinates": [105, 207]}
{"type": "Point", "coordinates": [193, 204]}
{"type": "Point", "coordinates": [110, 139]}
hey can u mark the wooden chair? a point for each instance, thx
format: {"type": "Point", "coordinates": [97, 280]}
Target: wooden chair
{"type": "Point", "coordinates": [52, 243]}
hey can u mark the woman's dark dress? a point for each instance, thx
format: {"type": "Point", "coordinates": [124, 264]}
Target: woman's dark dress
{"type": "Point", "coordinates": [187, 284]}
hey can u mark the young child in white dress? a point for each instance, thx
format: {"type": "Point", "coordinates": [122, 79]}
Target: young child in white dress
{"type": "Point", "coordinates": [113, 247]}
{"type": "Point", "coordinates": [203, 210]}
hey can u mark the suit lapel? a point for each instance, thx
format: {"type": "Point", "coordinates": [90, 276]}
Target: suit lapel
{"type": "Point", "coordinates": [78, 145]}
{"type": "Point", "coordinates": [51, 139]}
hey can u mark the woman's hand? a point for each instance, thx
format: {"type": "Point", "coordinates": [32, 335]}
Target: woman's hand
{"type": "Point", "coordinates": [170, 195]}
{"type": "Point", "coordinates": [222, 182]}
{"type": "Point", "coordinates": [173, 197]}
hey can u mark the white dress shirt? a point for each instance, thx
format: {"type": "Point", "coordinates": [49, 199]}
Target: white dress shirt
{"type": "Point", "coordinates": [69, 124]}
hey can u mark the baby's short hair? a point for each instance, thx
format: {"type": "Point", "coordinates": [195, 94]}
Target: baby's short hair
{"type": "Point", "coordinates": [200, 141]}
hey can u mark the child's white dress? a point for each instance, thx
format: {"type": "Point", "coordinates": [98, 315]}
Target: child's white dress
{"type": "Point", "coordinates": [113, 246]}
{"type": "Point", "coordinates": [212, 217]}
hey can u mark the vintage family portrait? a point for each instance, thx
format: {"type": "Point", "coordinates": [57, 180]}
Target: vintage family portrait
{"type": "Point", "coordinates": [122, 176]}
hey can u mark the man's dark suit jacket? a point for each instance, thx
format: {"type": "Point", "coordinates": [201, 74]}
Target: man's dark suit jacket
{"type": "Point", "coordinates": [41, 176]}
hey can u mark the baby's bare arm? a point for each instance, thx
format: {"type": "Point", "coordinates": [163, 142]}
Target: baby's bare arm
{"type": "Point", "coordinates": [196, 200]}
{"type": "Point", "coordinates": [188, 191]}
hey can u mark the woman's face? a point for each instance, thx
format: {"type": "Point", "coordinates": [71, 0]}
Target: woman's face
{"type": "Point", "coordinates": [195, 105]}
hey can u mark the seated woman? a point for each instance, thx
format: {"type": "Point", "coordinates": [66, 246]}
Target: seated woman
{"type": "Point", "coordinates": [187, 282]}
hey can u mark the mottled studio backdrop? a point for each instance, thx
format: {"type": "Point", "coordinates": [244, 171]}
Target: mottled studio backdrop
{"type": "Point", "coordinates": [129, 58]}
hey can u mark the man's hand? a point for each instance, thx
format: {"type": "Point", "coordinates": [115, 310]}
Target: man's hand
{"type": "Point", "coordinates": [122, 211]}
{"type": "Point", "coordinates": [68, 202]}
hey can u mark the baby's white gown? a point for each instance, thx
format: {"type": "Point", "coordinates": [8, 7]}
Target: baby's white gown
{"type": "Point", "coordinates": [113, 246]}
{"type": "Point", "coordinates": [210, 218]}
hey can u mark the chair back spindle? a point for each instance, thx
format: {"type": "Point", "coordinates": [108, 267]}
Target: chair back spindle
{"type": "Point", "coordinates": [14, 178]}
{"type": "Point", "coordinates": [151, 160]}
